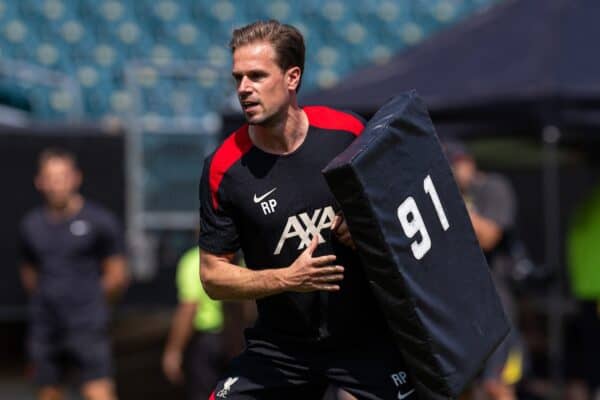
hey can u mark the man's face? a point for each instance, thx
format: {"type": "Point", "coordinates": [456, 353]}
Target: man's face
{"type": "Point", "coordinates": [464, 170]}
{"type": "Point", "coordinates": [263, 88]}
{"type": "Point", "coordinates": [58, 180]}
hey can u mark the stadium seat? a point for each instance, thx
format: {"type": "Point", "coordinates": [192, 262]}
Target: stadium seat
{"type": "Point", "coordinates": [92, 39]}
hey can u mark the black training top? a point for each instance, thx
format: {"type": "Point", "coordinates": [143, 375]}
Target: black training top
{"type": "Point", "coordinates": [270, 206]}
{"type": "Point", "coordinates": [67, 255]}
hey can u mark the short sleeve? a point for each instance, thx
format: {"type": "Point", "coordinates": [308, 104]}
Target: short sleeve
{"type": "Point", "coordinates": [357, 116]}
{"type": "Point", "coordinates": [110, 235]}
{"type": "Point", "coordinates": [218, 231]}
{"type": "Point", "coordinates": [188, 277]}
{"type": "Point", "coordinates": [498, 202]}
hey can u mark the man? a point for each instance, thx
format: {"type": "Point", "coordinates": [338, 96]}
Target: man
{"type": "Point", "coordinates": [194, 351]}
{"type": "Point", "coordinates": [262, 191]}
{"type": "Point", "coordinates": [491, 204]}
{"type": "Point", "coordinates": [489, 198]}
{"type": "Point", "coordinates": [73, 265]}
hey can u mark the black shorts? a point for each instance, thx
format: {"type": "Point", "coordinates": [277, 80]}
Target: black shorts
{"type": "Point", "coordinates": [276, 370]}
{"type": "Point", "coordinates": [54, 355]}
{"type": "Point", "coordinates": [204, 362]}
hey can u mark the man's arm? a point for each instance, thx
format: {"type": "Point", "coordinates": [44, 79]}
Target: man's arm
{"type": "Point", "coordinates": [29, 277]}
{"type": "Point", "coordinates": [179, 335]}
{"type": "Point", "coordinates": [223, 280]}
{"type": "Point", "coordinates": [114, 276]}
{"type": "Point", "coordinates": [488, 232]}
{"type": "Point", "coordinates": [494, 213]}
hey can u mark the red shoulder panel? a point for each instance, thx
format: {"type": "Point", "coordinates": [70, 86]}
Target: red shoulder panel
{"type": "Point", "coordinates": [232, 149]}
{"type": "Point", "coordinates": [328, 118]}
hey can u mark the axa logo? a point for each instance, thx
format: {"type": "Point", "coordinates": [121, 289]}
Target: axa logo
{"type": "Point", "coordinates": [304, 227]}
{"type": "Point", "coordinates": [227, 387]}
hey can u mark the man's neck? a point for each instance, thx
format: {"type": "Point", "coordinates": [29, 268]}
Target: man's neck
{"type": "Point", "coordinates": [72, 207]}
{"type": "Point", "coordinates": [284, 136]}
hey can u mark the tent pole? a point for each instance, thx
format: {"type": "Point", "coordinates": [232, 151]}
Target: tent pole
{"type": "Point", "coordinates": [555, 301]}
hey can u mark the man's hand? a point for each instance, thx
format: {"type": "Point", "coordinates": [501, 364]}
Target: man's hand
{"type": "Point", "coordinates": [309, 273]}
{"type": "Point", "coordinates": [341, 231]}
{"type": "Point", "coordinates": [171, 364]}
{"type": "Point", "coordinates": [115, 277]}
{"type": "Point", "coordinates": [223, 280]}
{"type": "Point", "coordinates": [29, 277]}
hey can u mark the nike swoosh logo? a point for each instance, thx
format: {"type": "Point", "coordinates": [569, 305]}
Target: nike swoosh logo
{"type": "Point", "coordinates": [261, 198]}
{"type": "Point", "coordinates": [402, 396]}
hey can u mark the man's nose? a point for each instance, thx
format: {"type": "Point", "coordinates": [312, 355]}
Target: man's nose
{"type": "Point", "coordinates": [244, 85]}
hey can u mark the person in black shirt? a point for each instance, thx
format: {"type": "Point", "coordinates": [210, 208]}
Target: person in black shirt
{"type": "Point", "coordinates": [262, 191]}
{"type": "Point", "coordinates": [491, 204]}
{"type": "Point", "coordinates": [72, 265]}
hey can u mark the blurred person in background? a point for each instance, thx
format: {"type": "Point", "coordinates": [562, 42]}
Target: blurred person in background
{"type": "Point", "coordinates": [262, 191]}
{"type": "Point", "coordinates": [491, 204]}
{"type": "Point", "coordinates": [72, 268]}
{"type": "Point", "coordinates": [194, 353]}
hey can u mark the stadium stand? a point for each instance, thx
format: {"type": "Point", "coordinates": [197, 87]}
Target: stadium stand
{"type": "Point", "coordinates": [93, 41]}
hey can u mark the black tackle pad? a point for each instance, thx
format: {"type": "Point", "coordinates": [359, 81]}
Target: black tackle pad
{"type": "Point", "coordinates": [420, 254]}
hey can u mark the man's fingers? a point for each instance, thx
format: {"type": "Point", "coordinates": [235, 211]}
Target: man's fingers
{"type": "Point", "coordinates": [328, 288]}
{"type": "Point", "coordinates": [335, 269]}
{"type": "Point", "coordinates": [347, 240]}
{"type": "Point", "coordinates": [345, 237]}
{"type": "Point", "coordinates": [313, 245]}
{"type": "Point", "coordinates": [337, 220]}
{"type": "Point", "coordinates": [324, 260]}
{"type": "Point", "coordinates": [330, 278]}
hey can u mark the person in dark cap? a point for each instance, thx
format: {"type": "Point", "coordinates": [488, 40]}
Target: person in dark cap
{"type": "Point", "coordinates": [491, 204]}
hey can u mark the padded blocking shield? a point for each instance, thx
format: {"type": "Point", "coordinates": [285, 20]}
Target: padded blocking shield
{"type": "Point", "coordinates": [414, 236]}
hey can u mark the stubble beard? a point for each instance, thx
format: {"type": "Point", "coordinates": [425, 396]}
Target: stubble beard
{"type": "Point", "coordinates": [269, 121]}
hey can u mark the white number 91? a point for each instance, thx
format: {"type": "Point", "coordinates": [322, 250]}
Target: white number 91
{"type": "Point", "coordinates": [412, 222]}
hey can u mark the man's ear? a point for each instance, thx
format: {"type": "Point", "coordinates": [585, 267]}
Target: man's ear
{"type": "Point", "coordinates": [293, 77]}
